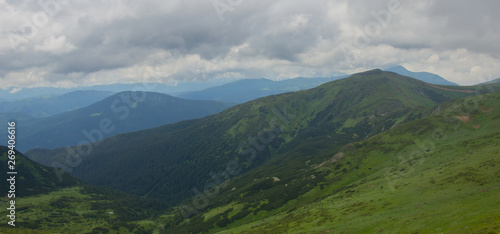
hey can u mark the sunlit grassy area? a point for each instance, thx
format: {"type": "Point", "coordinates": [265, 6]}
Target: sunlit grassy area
{"type": "Point", "coordinates": [69, 211]}
{"type": "Point", "coordinates": [436, 175]}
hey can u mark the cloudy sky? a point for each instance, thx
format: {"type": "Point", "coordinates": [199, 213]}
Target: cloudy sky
{"type": "Point", "coordinates": [66, 43]}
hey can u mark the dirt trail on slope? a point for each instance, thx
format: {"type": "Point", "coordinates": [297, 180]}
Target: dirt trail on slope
{"type": "Point", "coordinates": [464, 118]}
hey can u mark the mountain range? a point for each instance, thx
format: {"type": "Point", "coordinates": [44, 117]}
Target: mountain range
{"type": "Point", "coordinates": [226, 90]}
{"type": "Point", "coordinates": [149, 85]}
{"type": "Point", "coordinates": [335, 113]}
{"type": "Point", "coordinates": [119, 113]}
{"type": "Point", "coordinates": [249, 89]}
{"type": "Point", "coordinates": [376, 151]}
{"type": "Point", "coordinates": [43, 106]}
{"type": "Point", "coordinates": [427, 77]}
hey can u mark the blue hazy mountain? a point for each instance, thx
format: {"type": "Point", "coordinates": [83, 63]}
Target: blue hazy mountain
{"type": "Point", "coordinates": [119, 113]}
{"type": "Point", "coordinates": [423, 76]}
{"type": "Point", "coordinates": [43, 106]}
{"type": "Point", "coordinates": [11, 94]}
{"type": "Point", "coordinates": [249, 89]}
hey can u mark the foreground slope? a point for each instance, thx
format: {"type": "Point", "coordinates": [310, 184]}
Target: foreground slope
{"type": "Point", "coordinates": [51, 201]}
{"type": "Point", "coordinates": [32, 178]}
{"type": "Point", "coordinates": [175, 161]}
{"type": "Point", "coordinates": [438, 174]}
{"type": "Point", "coordinates": [122, 112]}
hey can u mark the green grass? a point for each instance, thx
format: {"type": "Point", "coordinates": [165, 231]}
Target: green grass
{"type": "Point", "coordinates": [349, 123]}
{"type": "Point", "coordinates": [435, 175]}
{"type": "Point", "coordinates": [69, 210]}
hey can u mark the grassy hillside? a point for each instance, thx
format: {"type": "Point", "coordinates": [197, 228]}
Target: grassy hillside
{"type": "Point", "coordinates": [438, 174]}
{"type": "Point", "coordinates": [122, 112]}
{"type": "Point", "coordinates": [365, 164]}
{"type": "Point", "coordinates": [46, 204]}
{"type": "Point", "coordinates": [32, 178]}
{"type": "Point", "coordinates": [176, 161]}
{"type": "Point", "coordinates": [85, 209]}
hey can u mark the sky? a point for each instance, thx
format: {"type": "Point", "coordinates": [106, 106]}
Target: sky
{"type": "Point", "coordinates": [63, 43]}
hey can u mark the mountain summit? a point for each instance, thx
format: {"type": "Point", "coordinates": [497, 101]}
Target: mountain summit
{"type": "Point", "coordinates": [123, 112]}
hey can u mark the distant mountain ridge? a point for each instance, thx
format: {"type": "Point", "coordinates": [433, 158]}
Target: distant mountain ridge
{"type": "Point", "coordinates": [16, 94]}
{"type": "Point", "coordinates": [492, 81]}
{"type": "Point", "coordinates": [204, 91]}
{"type": "Point", "coordinates": [43, 106]}
{"type": "Point", "coordinates": [119, 113]}
{"type": "Point", "coordinates": [423, 76]}
{"type": "Point", "coordinates": [249, 89]}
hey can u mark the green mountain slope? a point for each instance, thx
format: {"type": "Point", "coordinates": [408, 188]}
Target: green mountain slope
{"type": "Point", "coordinates": [50, 201]}
{"type": "Point", "coordinates": [492, 81]}
{"type": "Point", "coordinates": [31, 178]}
{"type": "Point", "coordinates": [438, 174]}
{"type": "Point", "coordinates": [175, 161]}
{"type": "Point", "coordinates": [122, 112]}
{"type": "Point", "coordinates": [249, 89]}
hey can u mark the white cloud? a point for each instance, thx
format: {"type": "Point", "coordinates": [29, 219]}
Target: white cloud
{"type": "Point", "coordinates": [55, 46]}
{"type": "Point", "coordinates": [97, 42]}
{"type": "Point", "coordinates": [15, 90]}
